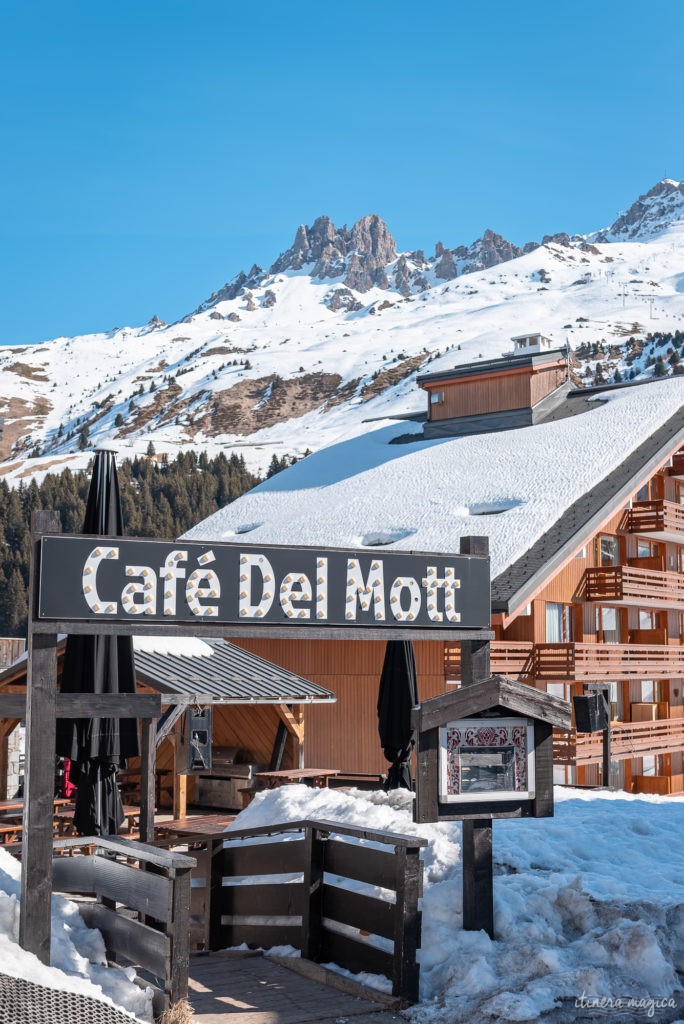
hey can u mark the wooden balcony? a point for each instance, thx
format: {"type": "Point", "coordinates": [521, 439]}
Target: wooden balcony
{"type": "Point", "coordinates": [659, 520]}
{"type": "Point", "coordinates": [627, 585]}
{"type": "Point", "coordinates": [579, 662]}
{"type": "Point", "coordinates": [512, 659]}
{"type": "Point", "coordinates": [628, 739]}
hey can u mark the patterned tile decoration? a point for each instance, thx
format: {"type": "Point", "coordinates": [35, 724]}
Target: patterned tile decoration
{"type": "Point", "coordinates": [488, 734]}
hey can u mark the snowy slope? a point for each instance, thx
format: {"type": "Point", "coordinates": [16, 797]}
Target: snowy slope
{"type": "Point", "coordinates": [584, 905]}
{"type": "Point", "coordinates": [287, 360]}
{"type": "Point", "coordinates": [511, 485]}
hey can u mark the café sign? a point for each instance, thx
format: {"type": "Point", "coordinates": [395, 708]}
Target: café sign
{"type": "Point", "coordinates": [119, 579]}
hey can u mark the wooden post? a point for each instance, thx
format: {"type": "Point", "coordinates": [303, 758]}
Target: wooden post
{"type": "Point", "coordinates": [180, 781]}
{"type": "Point", "coordinates": [478, 890]}
{"type": "Point", "coordinates": [407, 924]}
{"type": "Point", "coordinates": [214, 882]}
{"type": "Point", "coordinates": [605, 695]}
{"type": "Point", "coordinates": [180, 929]}
{"type": "Point", "coordinates": [148, 750]}
{"type": "Point", "coordinates": [41, 692]}
{"type": "Point", "coordinates": [312, 906]}
{"type": "Point", "coordinates": [475, 654]}
{"type": "Point", "coordinates": [476, 847]}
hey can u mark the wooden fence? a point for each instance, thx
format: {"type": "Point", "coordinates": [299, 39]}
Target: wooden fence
{"type": "Point", "coordinates": [322, 911]}
{"type": "Point", "coordinates": [141, 900]}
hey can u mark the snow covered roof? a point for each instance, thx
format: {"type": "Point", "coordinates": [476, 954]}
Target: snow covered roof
{"type": "Point", "coordinates": [515, 486]}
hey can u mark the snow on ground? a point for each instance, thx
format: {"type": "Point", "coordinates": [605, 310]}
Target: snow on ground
{"type": "Point", "coordinates": [587, 904]}
{"type": "Point", "coordinates": [77, 953]}
{"type": "Point", "coordinates": [512, 485]}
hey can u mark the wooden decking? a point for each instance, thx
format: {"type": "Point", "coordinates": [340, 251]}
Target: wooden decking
{"type": "Point", "coordinates": [244, 988]}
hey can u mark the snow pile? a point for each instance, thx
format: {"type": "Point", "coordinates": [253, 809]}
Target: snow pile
{"type": "Point", "coordinates": [586, 904]}
{"type": "Point", "coordinates": [511, 485]}
{"type": "Point", "coordinates": [77, 953]}
{"type": "Point", "coordinates": [173, 646]}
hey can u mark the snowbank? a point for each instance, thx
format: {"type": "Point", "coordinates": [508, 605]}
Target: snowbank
{"type": "Point", "coordinates": [587, 904]}
{"type": "Point", "coordinates": [77, 953]}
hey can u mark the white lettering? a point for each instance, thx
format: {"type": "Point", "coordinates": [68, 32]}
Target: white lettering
{"type": "Point", "coordinates": [145, 587]}
{"type": "Point", "coordinates": [405, 583]}
{"type": "Point", "coordinates": [432, 583]}
{"type": "Point", "coordinates": [248, 563]}
{"type": "Point", "coordinates": [89, 581]}
{"type": "Point", "coordinates": [202, 584]}
{"type": "Point", "coordinates": [170, 574]}
{"type": "Point", "coordinates": [321, 588]}
{"type": "Point", "coordinates": [289, 596]}
{"type": "Point", "coordinates": [367, 591]}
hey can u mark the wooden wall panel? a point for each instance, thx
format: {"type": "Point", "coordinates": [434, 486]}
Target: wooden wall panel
{"type": "Point", "coordinates": [545, 381]}
{"type": "Point", "coordinates": [345, 734]}
{"type": "Point", "coordinates": [471, 397]}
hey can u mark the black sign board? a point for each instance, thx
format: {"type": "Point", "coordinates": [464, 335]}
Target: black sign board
{"type": "Point", "coordinates": [116, 579]}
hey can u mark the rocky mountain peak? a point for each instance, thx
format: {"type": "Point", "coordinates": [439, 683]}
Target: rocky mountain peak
{"type": "Point", "coordinates": [360, 254]}
{"type": "Point", "coordinates": [652, 213]}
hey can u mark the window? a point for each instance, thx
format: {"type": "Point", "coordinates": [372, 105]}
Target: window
{"type": "Point", "coordinates": [608, 550]}
{"type": "Point", "coordinates": [582, 553]}
{"type": "Point", "coordinates": [647, 691]}
{"type": "Point", "coordinates": [647, 549]}
{"type": "Point", "coordinates": [491, 759]}
{"type": "Point", "coordinates": [558, 623]}
{"type": "Point", "coordinates": [647, 620]}
{"type": "Point", "coordinates": [642, 493]}
{"type": "Point", "coordinates": [648, 765]}
{"type": "Point", "coordinates": [608, 625]}
{"type": "Point", "coordinates": [436, 397]}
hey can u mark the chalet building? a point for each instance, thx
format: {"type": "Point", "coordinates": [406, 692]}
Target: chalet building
{"type": "Point", "coordinates": [587, 542]}
{"type": "Point", "coordinates": [517, 390]}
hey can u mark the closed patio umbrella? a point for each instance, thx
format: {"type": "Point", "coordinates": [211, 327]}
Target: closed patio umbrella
{"type": "Point", "coordinates": [97, 747]}
{"type": "Point", "coordinates": [397, 694]}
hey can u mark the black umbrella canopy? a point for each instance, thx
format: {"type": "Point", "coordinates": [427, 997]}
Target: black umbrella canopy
{"type": "Point", "coordinates": [97, 747]}
{"type": "Point", "coordinates": [397, 694]}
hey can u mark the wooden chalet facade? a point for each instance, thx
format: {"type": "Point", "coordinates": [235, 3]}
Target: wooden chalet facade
{"type": "Point", "coordinates": [598, 599]}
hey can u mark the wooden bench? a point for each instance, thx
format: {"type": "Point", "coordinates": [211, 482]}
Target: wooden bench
{"type": "Point", "coordinates": [10, 833]}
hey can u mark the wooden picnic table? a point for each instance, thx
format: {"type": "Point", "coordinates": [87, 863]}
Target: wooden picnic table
{"type": "Point", "coordinates": [65, 820]}
{"type": "Point", "coordinates": [11, 819]}
{"type": "Point", "coordinates": [197, 825]}
{"type": "Point", "coordinates": [316, 777]}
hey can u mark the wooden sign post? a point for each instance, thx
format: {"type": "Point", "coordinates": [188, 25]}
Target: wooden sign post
{"type": "Point", "coordinates": [485, 751]}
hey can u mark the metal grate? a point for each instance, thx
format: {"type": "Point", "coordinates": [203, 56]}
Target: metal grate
{"type": "Point", "coordinates": [23, 1002]}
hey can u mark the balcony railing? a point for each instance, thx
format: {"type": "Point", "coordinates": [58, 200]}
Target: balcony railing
{"type": "Point", "coordinates": [626, 585]}
{"type": "Point", "coordinates": [628, 739]}
{"type": "Point", "coordinates": [662, 520]}
{"type": "Point", "coordinates": [578, 662]}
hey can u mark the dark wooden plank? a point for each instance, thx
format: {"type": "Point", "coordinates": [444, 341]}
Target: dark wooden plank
{"type": "Point", "coordinates": [263, 936]}
{"type": "Point", "coordinates": [312, 889]}
{"type": "Point", "coordinates": [41, 685]}
{"type": "Point", "coordinates": [427, 776]}
{"type": "Point", "coordinates": [138, 890]}
{"type": "Point", "coordinates": [148, 752]}
{"type": "Point", "coordinates": [263, 858]}
{"type": "Point", "coordinates": [278, 754]}
{"type": "Point", "coordinates": [217, 935]}
{"type": "Point", "coordinates": [129, 848]}
{"type": "Point", "coordinates": [277, 900]}
{"type": "Point", "coordinates": [73, 874]}
{"type": "Point", "coordinates": [127, 938]}
{"type": "Point", "coordinates": [407, 925]}
{"type": "Point", "coordinates": [84, 705]}
{"type": "Point", "coordinates": [328, 827]}
{"type": "Point", "coordinates": [177, 982]}
{"type": "Point", "coordinates": [478, 886]}
{"type": "Point", "coordinates": [367, 913]}
{"type": "Point", "coordinates": [475, 662]}
{"type": "Point", "coordinates": [350, 861]}
{"type": "Point", "coordinates": [543, 770]}
{"type": "Point", "coordinates": [227, 631]}
{"type": "Point", "coordinates": [355, 956]}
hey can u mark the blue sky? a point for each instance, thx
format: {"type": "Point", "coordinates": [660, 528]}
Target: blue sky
{"type": "Point", "coordinates": [153, 149]}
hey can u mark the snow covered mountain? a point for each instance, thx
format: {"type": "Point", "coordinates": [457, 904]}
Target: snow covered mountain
{"type": "Point", "coordinates": [333, 333]}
